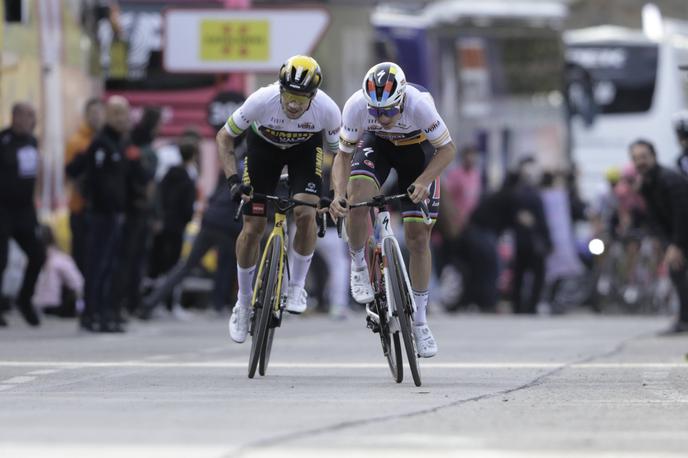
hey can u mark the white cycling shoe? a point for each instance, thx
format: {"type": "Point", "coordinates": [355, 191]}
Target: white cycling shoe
{"type": "Point", "coordinates": [238, 323]}
{"type": "Point", "coordinates": [425, 342]}
{"type": "Point", "coordinates": [361, 289]}
{"type": "Point", "coordinates": [297, 299]}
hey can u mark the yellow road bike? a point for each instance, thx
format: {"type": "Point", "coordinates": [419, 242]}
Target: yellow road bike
{"type": "Point", "coordinates": [269, 292]}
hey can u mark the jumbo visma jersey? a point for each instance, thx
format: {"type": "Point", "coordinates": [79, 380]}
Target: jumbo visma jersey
{"type": "Point", "coordinates": [419, 121]}
{"type": "Point", "coordinates": [262, 112]}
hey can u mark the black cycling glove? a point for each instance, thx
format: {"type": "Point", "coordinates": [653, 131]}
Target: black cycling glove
{"type": "Point", "coordinates": [235, 187]}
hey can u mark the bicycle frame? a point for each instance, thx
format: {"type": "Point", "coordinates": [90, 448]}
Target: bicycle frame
{"type": "Point", "coordinates": [382, 230]}
{"type": "Point", "coordinates": [279, 228]}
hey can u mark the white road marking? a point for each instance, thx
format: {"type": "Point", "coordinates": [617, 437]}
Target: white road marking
{"type": "Point", "coordinates": [113, 450]}
{"type": "Point", "coordinates": [110, 451]}
{"type": "Point", "coordinates": [43, 372]}
{"type": "Point", "coordinates": [342, 365]}
{"type": "Point", "coordinates": [17, 380]}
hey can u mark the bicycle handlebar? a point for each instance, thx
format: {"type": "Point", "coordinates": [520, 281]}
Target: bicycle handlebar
{"type": "Point", "coordinates": [380, 201]}
{"type": "Point", "coordinates": [284, 204]}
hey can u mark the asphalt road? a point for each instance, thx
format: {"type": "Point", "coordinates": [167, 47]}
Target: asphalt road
{"type": "Point", "coordinates": [501, 386]}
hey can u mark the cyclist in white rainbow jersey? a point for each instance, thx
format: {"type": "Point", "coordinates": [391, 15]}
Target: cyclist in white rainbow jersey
{"type": "Point", "coordinates": [390, 124]}
{"type": "Point", "coordinates": [286, 123]}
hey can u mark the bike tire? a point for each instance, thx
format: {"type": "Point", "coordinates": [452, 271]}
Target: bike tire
{"type": "Point", "coordinates": [402, 303]}
{"type": "Point", "coordinates": [263, 313]}
{"type": "Point", "coordinates": [265, 354]}
{"type": "Point", "coordinates": [391, 344]}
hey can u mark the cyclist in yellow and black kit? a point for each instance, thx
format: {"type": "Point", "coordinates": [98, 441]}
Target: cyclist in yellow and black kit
{"type": "Point", "coordinates": [286, 123]}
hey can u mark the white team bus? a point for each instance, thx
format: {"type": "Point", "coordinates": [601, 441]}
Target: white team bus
{"type": "Point", "coordinates": [624, 84]}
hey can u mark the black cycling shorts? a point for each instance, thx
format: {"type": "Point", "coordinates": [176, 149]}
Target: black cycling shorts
{"type": "Point", "coordinates": [264, 162]}
{"type": "Point", "coordinates": [375, 157]}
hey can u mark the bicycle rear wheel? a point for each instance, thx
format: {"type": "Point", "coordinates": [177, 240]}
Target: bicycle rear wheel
{"type": "Point", "coordinates": [264, 306]}
{"type": "Point", "coordinates": [403, 305]}
{"type": "Point", "coordinates": [391, 345]}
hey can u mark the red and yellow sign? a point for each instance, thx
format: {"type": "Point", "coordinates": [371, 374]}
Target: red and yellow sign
{"type": "Point", "coordinates": [238, 40]}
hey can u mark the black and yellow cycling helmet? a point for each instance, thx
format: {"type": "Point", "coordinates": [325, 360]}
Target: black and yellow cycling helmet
{"type": "Point", "coordinates": [301, 75]}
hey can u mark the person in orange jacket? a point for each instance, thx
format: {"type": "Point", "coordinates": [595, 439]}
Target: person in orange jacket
{"type": "Point", "coordinates": [94, 118]}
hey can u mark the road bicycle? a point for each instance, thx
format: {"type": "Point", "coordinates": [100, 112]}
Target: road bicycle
{"type": "Point", "coordinates": [391, 312]}
{"type": "Point", "coordinates": [269, 293]}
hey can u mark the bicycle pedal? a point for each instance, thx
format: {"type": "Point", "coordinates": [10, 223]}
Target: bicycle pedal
{"type": "Point", "coordinates": [275, 321]}
{"type": "Point", "coordinates": [372, 325]}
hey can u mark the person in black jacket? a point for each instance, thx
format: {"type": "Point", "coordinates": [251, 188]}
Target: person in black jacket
{"type": "Point", "coordinates": [666, 195]}
{"type": "Point", "coordinates": [531, 237]}
{"type": "Point", "coordinates": [19, 164]}
{"type": "Point", "coordinates": [176, 198]}
{"type": "Point", "coordinates": [474, 249]}
{"type": "Point", "coordinates": [138, 224]}
{"type": "Point", "coordinates": [106, 170]}
{"type": "Point", "coordinates": [218, 230]}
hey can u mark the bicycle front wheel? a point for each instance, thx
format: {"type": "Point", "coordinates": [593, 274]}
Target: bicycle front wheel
{"type": "Point", "coordinates": [266, 296]}
{"type": "Point", "coordinates": [403, 305]}
{"type": "Point", "coordinates": [391, 345]}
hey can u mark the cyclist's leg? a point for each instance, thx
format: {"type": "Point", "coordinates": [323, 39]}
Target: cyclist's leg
{"type": "Point", "coordinates": [262, 167]}
{"type": "Point", "coordinates": [409, 162]}
{"type": "Point", "coordinates": [417, 236]}
{"type": "Point", "coordinates": [369, 170]}
{"type": "Point", "coordinates": [305, 182]}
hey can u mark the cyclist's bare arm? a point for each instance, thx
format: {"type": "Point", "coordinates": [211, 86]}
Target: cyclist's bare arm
{"type": "Point", "coordinates": [225, 148]}
{"type": "Point", "coordinates": [341, 170]}
{"type": "Point", "coordinates": [443, 157]}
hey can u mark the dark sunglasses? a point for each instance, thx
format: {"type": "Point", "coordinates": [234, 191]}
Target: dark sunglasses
{"type": "Point", "coordinates": [389, 112]}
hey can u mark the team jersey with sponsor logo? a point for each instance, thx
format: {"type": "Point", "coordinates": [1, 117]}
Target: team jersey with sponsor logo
{"type": "Point", "coordinates": [419, 121]}
{"type": "Point", "coordinates": [262, 111]}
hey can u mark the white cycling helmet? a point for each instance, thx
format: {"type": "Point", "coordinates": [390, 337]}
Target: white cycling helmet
{"type": "Point", "coordinates": [384, 85]}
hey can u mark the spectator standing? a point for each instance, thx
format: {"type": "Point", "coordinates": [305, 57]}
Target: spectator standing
{"type": "Point", "coordinates": [666, 195]}
{"type": "Point", "coordinates": [464, 184]}
{"type": "Point", "coordinates": [105, 170]}
{"type": "Point", "coordinates": [176, 196]}
{"type": "Point", "coordinates": [476, 249]}
{"type": "Point", "coordinates": [94, 117]}
{"type": "Point", "coordinates": [19, 166]}
{"type": "Point", "coordinates": [563, 261]}
{"type": "Point", "coordinates": [531, 237]}
{"type": "Point", "coordinates": [140, 211]}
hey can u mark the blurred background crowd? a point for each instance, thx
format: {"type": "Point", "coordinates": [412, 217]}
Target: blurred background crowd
{"type": "Point", "coordinates": [111, 209]}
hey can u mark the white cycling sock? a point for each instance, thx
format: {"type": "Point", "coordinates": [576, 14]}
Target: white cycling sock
{"type": "Point", "coordinates": [421, 300]}
{"type": "Point", "coordinates": [299, 268]}
{"type": "Point", "coordinates": [358, 257]}
{"type": "Point", "coordinates": [245, 280]}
